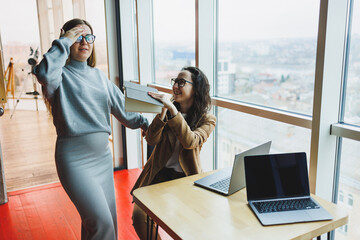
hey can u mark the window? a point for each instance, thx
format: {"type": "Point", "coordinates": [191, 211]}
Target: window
{"type": "Point", "coordinates": [95, 14]}
{"type": "Point", "coordinates": [174, 37]}
{"type": "Point", "coordinates": [266, 55]}
{"type": "Point", "coordinates": [343, 229]}
{"type": "Point", "coordinates": [348, 171]}
{"type": "Point", "coordinates": [352, 97]}
{"type": "Point", "coordinates": [341, 196]}
{"type": "Point", "coordinates": [350, 200]}
{"type": "Point", "coordinates": [349, 183]}
{"type": "Point", "coordinates": [243, 131]}
{"type": "Point", "coordinates": [19, 33]}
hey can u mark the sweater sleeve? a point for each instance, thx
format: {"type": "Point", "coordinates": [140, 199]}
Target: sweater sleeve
{"type": "Point", "coordinates": [117, 103]}
{"type": "Point", "coordinates": [49, 70]}
{"type": "Point", "coordinates": [192, 139]}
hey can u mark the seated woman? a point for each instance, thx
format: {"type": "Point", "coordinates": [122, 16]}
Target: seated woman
{"type": "Point", "coordinates": [178, 134]}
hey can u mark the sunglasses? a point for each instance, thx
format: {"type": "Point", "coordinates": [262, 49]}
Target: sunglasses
{"type": "Point", "coordinates": [180, 82]}
{"type": "Point", "coordinates": [88, 38]}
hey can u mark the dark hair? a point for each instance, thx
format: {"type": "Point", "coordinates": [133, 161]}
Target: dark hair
{"type": "Point", "coordinates": [91, 61]}
{"type": "Point", "coordinates": [202, 100]}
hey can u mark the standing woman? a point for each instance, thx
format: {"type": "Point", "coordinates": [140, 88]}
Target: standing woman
{"type": "Point", "coordinates": [81, 99]}
{"type": "Point", "coordinates": [178, 134]}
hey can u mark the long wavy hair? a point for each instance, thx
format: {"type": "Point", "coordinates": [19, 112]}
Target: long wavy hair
{"type": "Point", "coordinates": [202, 99]}
{"type": "Point", "coordinates": [91, 61]}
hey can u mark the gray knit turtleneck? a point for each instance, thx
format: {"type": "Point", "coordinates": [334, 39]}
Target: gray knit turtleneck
{"type": "Point", "coordinates": [81, 96]}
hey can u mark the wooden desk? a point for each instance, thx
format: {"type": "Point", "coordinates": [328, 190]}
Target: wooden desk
{"type": "Point", "coordinates": [186, 211]}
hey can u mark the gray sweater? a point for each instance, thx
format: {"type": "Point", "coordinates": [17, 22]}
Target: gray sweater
{"type": "Point", "coordinates": [81, 96]}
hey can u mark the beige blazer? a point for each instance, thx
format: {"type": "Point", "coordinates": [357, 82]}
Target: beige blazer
{"type": "Point", "coordinates": [163, 136]}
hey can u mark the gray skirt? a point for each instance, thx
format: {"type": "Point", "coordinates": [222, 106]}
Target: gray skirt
{"type": "Point", "coordinates": [85, 168]}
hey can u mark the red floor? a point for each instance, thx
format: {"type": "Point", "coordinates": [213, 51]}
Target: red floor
{"type": "Point", "coordinates": [46, 212]}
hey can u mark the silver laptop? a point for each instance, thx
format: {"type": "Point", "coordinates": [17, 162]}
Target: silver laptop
{"type": "Point", "coordinates": [277, 187]}
{"type": "Point", "coordinates": [229, 180]}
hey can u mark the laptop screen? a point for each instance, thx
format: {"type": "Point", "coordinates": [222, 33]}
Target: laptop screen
{"type": "Point", "coordinates": [276, 176]}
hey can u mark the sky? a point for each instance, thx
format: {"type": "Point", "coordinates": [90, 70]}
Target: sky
{"type": "Point", "coordinates": [258, 19]}
{"type": "Point", "coordinates": [241, 19]}
{"type": "Point", "coordinates": [18, 20]}
{"type": "Point", "coordinates": [174, 19]}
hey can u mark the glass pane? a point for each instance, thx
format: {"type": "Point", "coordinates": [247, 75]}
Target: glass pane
{"type": "Point", "coordinates": [174, 37]}
{"type": "Point", "coordinates": [266, 55]}
{"type": "Point", "coordinates": [95, 14]}
{"type": "Point", "coordinates": [352, 102]}
{"type": "Point", "coordinates": [238, 132]}
{"type": "Point", "coordinates": [20, 34]}
{"type": "Point", "coordinates": [349, 189]}
{"type": "Point", "coordinates": [134, 41]}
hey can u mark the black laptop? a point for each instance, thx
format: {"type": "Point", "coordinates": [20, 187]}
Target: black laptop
{"type": "Point", "coordinates": [277, 187]}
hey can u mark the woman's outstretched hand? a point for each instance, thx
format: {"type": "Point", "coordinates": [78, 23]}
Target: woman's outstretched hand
{"type": "Point", "coordinates": [73, 33]}
{"type": "Point", "coordinates": [166, 99]}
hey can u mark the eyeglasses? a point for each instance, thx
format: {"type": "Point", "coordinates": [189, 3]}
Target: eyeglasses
{"type": "Point", "coordinates": [88, 38]}
{"type": "Point", "coordinates": [180, 82]}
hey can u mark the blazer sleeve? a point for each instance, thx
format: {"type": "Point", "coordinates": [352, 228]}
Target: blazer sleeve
{"type": "Point", "coordinates": [154, 132]}
{"type": "Point", "coordinates": [192, 139]}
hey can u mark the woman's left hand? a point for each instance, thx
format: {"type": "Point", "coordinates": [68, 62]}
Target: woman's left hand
{"type": "Point", "coordinates": [166, 100]}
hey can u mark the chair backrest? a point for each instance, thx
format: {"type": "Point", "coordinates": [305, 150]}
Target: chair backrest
{"type": "Point", "coordinates": [149, 150]}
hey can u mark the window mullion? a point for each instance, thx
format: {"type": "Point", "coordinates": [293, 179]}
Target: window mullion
{"type": "Point", "coordinates": [328, 77]}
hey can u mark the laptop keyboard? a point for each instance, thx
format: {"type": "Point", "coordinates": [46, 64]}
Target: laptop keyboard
{"type": "Point", "coordinates": [285, 205]}
{"type": "Point", "coordinates": [222, 185]}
